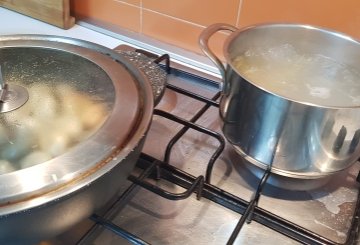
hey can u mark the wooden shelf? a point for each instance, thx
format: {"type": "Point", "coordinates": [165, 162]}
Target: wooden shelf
{"type": "Point", "coordinates": [55, 12]}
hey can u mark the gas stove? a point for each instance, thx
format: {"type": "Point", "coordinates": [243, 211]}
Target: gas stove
{"type": "Point", "coordinates": [190, 187]}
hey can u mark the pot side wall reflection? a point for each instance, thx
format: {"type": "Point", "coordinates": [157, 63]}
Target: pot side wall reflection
{"type": "Point", "coordinates": [298, 140]}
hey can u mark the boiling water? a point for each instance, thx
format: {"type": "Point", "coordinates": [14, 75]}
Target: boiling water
{"type": "Point", "coordinates": [314, 78]}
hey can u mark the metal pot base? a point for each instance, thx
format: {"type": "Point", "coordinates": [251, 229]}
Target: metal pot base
{"type": "Point", "coordinates": [253, 173]}
{"type": "Point", "coordinates": [305, 174]}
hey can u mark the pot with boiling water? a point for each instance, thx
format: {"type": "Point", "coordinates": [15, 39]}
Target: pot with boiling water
{"type": "Point", "coordinates": [291, 97]}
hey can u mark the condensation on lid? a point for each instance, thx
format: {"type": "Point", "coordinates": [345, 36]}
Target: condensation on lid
{"type": "Point", "coordinates": [70, 97]}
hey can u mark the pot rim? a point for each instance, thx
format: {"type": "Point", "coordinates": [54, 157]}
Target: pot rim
{"type": "Point", "coordinates": [98, 154]}
{"type": "Point", "coordinates": [327, 31]}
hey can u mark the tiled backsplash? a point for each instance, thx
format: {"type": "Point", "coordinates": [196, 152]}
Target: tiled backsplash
{"type": "Point", "coordinates": [179, 22]}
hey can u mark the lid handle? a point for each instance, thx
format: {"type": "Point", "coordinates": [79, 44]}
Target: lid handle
{"type": "Point", "coordinates": [3, 87]}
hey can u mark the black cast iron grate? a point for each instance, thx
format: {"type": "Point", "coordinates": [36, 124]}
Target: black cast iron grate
{"type": "Point", "coordinates": [201, 186]}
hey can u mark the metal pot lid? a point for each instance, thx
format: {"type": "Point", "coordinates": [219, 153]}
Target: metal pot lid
{"type": "Point", "coordinates": [86, 105]}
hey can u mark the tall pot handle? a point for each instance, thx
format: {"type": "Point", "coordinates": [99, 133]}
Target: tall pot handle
{"type": "Point", "coordinates": [204, 43]}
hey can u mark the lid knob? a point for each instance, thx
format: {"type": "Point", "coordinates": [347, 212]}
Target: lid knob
{"type": "Point", "coordinates": [11, 96]}
{"type": "Point", "coordinates": [3, 87]}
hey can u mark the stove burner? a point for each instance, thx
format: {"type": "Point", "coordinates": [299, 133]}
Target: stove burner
{"type": "Point", "coordinates": [153, 169]}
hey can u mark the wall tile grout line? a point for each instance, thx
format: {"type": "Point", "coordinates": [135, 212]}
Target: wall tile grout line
{"type": "Point", "coordinates": [140, 12]}
{"type": "Point", "coordinates": [174, 18]}
{"type": "Point", "coordinates": [141, 7]}
{"type": "Point", "coordinates": [129, 4]}
{"type": "Point", "coordinates": [238, 13]}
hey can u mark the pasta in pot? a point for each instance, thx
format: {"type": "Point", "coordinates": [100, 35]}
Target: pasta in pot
{"type": "Point", "coordinates": [311, 78]}
{"type": "Point", "coordinates": [51, 122]}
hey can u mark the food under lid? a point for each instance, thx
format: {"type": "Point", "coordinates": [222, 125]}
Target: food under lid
{"type": "Point", "coordinates": [69, 98]}
{"type": "Point", "coordinates": [83, 106]}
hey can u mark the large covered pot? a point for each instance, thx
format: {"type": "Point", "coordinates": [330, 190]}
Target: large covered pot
{"type": "Point", "coordinates": [291, 97]}
{"type": "Point", "coordinates": [73, 122]}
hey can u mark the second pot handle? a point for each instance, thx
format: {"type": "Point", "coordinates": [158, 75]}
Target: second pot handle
{"type": "Point", "coordinates": [204, 43]}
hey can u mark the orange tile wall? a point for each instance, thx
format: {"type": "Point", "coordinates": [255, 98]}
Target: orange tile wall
{"type": "Point", "coordinates": [179, 22]}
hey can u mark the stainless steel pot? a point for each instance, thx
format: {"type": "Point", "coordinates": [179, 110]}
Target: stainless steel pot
{"type": "Point", "coordinates": [296, 137]}
{"type": "Point", "coordinates": [47, 198]}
